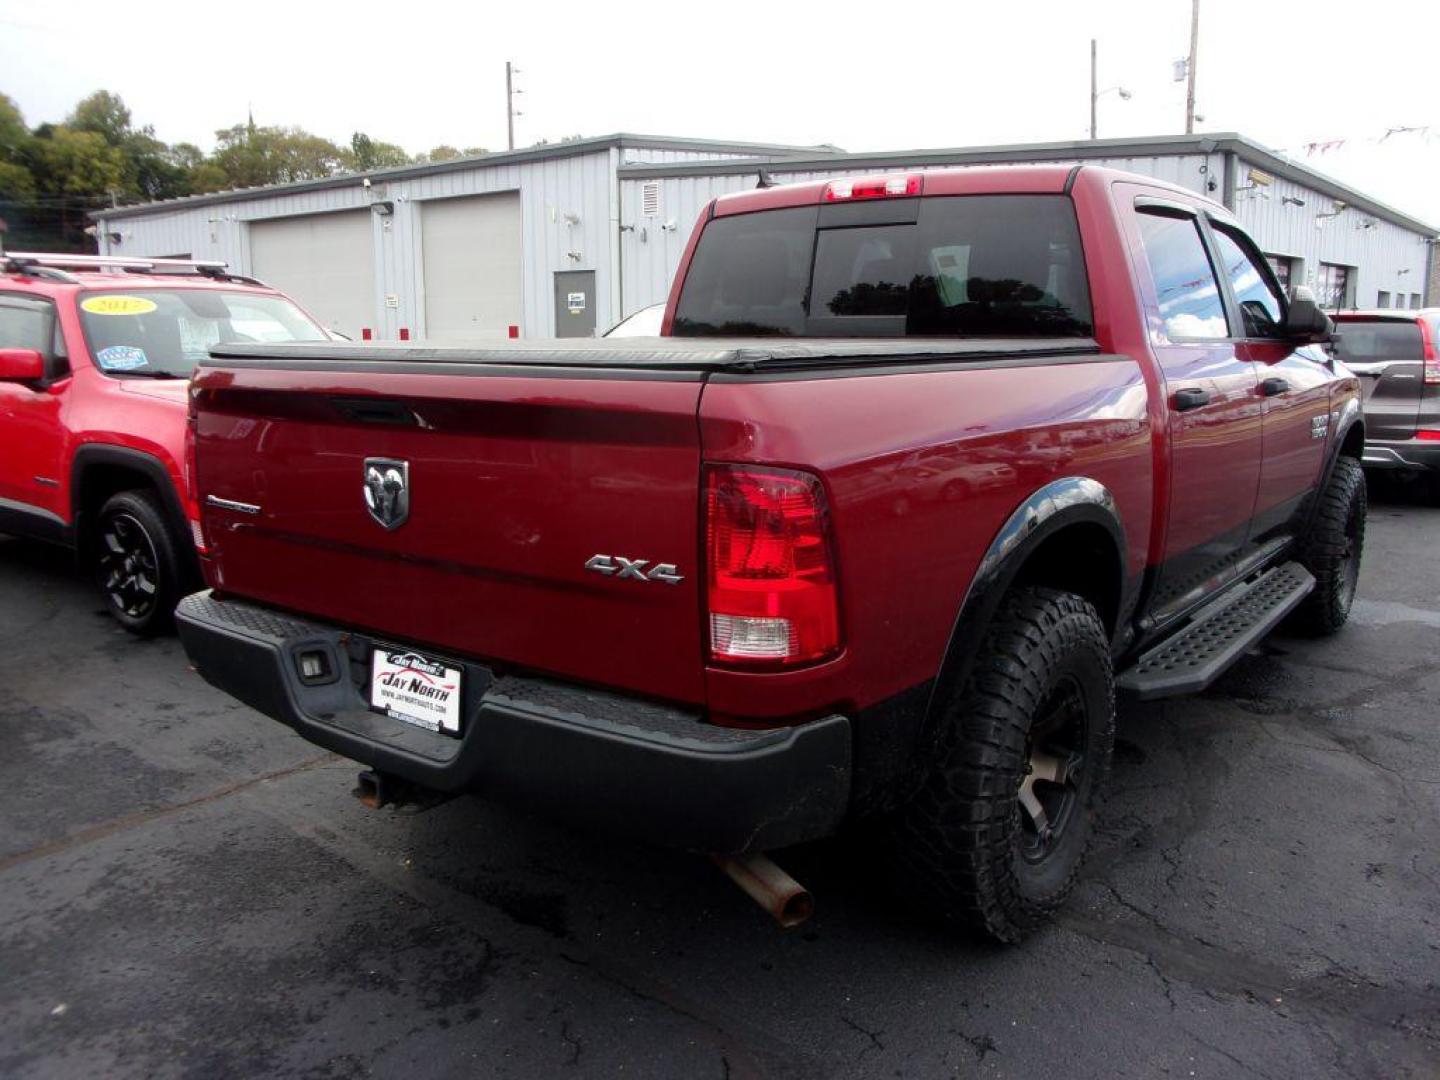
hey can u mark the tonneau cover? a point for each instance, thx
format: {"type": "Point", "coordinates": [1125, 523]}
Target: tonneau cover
{"type": "Point", "coordinates": [663, 354]}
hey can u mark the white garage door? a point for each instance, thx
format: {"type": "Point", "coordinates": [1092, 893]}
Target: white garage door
{"type": "Point", "coordinates": [471, 256]}
{"type": "Point", "coordinates": [325, 261]}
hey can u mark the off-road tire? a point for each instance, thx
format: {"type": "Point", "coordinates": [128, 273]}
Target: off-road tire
{"type": "Point", "coordinates": [138, 522]}
{"type": "Point", "coordinates": [1331, 551]}
{"type": "Point", "coordinates": [960, 843]}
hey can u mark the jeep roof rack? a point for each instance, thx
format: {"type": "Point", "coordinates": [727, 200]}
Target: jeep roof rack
{"type": "Point", "coordinates": [53, 265]}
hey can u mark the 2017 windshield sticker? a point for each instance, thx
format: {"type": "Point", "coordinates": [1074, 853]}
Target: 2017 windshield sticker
{"type": "Point", "coordinates": [121, 357]}
{"type": "Point", "coordinates": [117, 305]}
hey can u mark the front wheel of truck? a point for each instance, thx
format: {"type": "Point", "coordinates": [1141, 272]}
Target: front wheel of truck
{"type": "Point", "coordinates": [1331, 551]}
{"type": "Point", "coordinates": [994, 838]}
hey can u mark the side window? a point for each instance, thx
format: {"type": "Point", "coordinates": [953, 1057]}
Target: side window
{"type": "Point", "coordinates": [1185, 285]}
{"type": "Point", "coordinates": [1262, 307]}
{"type": "Point", "coordinates": [27, 323]}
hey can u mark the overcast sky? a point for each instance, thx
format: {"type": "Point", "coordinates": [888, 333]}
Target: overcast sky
{"type": "Point", "coordinates": [865, 76]}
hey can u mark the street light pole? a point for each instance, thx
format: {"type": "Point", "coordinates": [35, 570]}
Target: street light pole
{"type": "Point", "coordinates": [1094, 93]}
{"type": "Point", "coordinates": [509, 108]}
{"type": "Point", "coordinates": [1190, 67]}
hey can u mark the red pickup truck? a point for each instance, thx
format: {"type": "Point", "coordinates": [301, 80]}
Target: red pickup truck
{"type": "Point", "coordinates": [924, 468]}
{"type": "Point", "coordinates": [95, 357]}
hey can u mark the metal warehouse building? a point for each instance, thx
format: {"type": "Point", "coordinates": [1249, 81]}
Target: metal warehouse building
{"type": "Point", "coordinates": [565, 239]}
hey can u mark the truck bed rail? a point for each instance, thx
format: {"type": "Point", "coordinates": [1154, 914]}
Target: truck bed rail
{"type": "Point", "coordinates": [680, 355]}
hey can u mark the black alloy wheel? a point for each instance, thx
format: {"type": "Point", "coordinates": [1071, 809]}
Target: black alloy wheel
{"type": "Point", "coordinates": [137, 562]}
{"type": "Point", "coordinates": [1054, 773]}
{"type": "Point", "coordinates": [129, 567]}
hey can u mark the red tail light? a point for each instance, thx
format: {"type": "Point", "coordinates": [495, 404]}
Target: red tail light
{"type": "Point", "coordinates": [192, 484]}
{"type": "Point", "coordinates": [773, 598]}
{"type": "Point", "coordinates": [1431, 354]}
{"type": "Point", "coordinates": [874, 187]}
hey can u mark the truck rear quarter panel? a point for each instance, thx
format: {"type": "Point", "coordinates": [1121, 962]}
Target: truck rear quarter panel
{"type": "Point", "coordinates": [922, 469]}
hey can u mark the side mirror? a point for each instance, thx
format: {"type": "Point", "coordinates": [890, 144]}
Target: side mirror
{"type": "Point", "coordinates": [21, 365]}
{"type": "Point", "coordinates": [1304, 320]}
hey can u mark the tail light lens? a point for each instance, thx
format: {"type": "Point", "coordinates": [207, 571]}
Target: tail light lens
{"type": "Point", "coordinates": [1432, 354]}
{"type": "Point", "coordinates": [773, 598]}
{"type": "Point", "coordinates": [192, 482]}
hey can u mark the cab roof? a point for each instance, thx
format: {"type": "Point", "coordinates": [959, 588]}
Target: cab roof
{"type": "Point", "coordinates": [1040, 179]}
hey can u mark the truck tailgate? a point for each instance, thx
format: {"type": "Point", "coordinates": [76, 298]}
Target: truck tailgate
{"type": "Point", "coordinates": [515, 479]}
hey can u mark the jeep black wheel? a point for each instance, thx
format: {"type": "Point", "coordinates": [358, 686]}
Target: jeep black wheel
{"type": "Point", "coordinates": [995, 837]}
{"type": "Point", "coordinates": [1332, 550]}
{"type": "Point", "coordinates": [136, 563]}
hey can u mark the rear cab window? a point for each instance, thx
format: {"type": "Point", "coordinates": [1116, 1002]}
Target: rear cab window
{"type": "Point", "coordinates": [164, 333]}
{"type": "Point", "coordinates": [942, 266]}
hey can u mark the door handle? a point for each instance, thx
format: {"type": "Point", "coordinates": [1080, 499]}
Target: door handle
{"type": "Point", "coordinates": [1273, 386]}
{"type": "Point", "coordinates": [1191, 397]}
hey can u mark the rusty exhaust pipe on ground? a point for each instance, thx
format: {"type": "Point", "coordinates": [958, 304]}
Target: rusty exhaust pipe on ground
{"type": "Point", "coordinates": [788, 902]}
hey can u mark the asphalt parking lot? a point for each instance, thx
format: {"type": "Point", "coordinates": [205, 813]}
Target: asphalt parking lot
{"type": "Point", "coordinates": [187, 889]}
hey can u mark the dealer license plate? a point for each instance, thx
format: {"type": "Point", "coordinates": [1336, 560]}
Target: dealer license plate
{"type": "Point", "coordinates": [416, 689]}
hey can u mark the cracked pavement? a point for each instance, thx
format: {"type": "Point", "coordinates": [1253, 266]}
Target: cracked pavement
{"type": "Point", "coordinates": [187, 889]}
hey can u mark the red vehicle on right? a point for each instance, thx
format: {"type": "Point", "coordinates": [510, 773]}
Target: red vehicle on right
{"type": "Point", "coordinates": [1396, 353]}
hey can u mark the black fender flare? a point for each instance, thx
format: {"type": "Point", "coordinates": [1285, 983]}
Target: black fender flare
{"type": "Point", "coordinates": [1344, 419]}
{"type": "Point", "coordinates": [1061, 503]}
{"type": "Point", "coordinates": [92, 455]}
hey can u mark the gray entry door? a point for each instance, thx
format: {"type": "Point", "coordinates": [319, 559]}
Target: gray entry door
{"type": "Point", "coordinates": [575, 303]}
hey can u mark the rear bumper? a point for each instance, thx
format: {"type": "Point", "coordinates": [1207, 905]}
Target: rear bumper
{"type": "Point", "coordinates": [627, 766]}
{"type": "Point", "coordinates": [1402, 454]}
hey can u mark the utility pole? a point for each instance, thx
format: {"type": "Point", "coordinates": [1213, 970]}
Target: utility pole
{"type": "Point", "coordinates": [510, 104]}
{"type": "Point", "coordinates": [1094, 93]}
{"type": "Point", "coordinates": [1190, 67]}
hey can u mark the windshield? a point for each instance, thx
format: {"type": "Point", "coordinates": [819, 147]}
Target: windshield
{"type": "Point", "coordinates": [164, 333]}
{"type": "Point", "coordinates": [644, 323]}
{"type": "Point", "coordinates": [954, 266]}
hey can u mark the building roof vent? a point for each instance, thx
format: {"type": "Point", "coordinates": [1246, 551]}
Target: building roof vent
{"type": "Point", "coordinates": [650, 198]}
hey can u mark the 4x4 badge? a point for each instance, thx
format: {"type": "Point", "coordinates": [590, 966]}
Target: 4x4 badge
{"type": "Point", "coordinates": [634, 569]}
{"type": "Point", "coordinates": [387, 490]}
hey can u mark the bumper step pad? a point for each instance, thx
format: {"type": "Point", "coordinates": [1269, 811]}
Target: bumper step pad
{"type": "Point", "coordinates": [1218, 636]}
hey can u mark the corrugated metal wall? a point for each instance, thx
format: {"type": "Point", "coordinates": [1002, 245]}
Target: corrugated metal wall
{"type": "Point", "coordinates": [1285, 219]}
{"type": "Point", "coordinates": [567, 211]}
{"type": "Point", "coordinates": [576, 215]}
{"type": "Point", "coordinates": [569, 220]}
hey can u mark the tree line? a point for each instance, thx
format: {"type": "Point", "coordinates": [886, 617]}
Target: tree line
{"type": "Point", "coordinates": [53, 175]}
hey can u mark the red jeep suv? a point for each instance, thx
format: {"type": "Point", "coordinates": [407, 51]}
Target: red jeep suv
{"type": "Point", "coordinates": [95, 356]}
